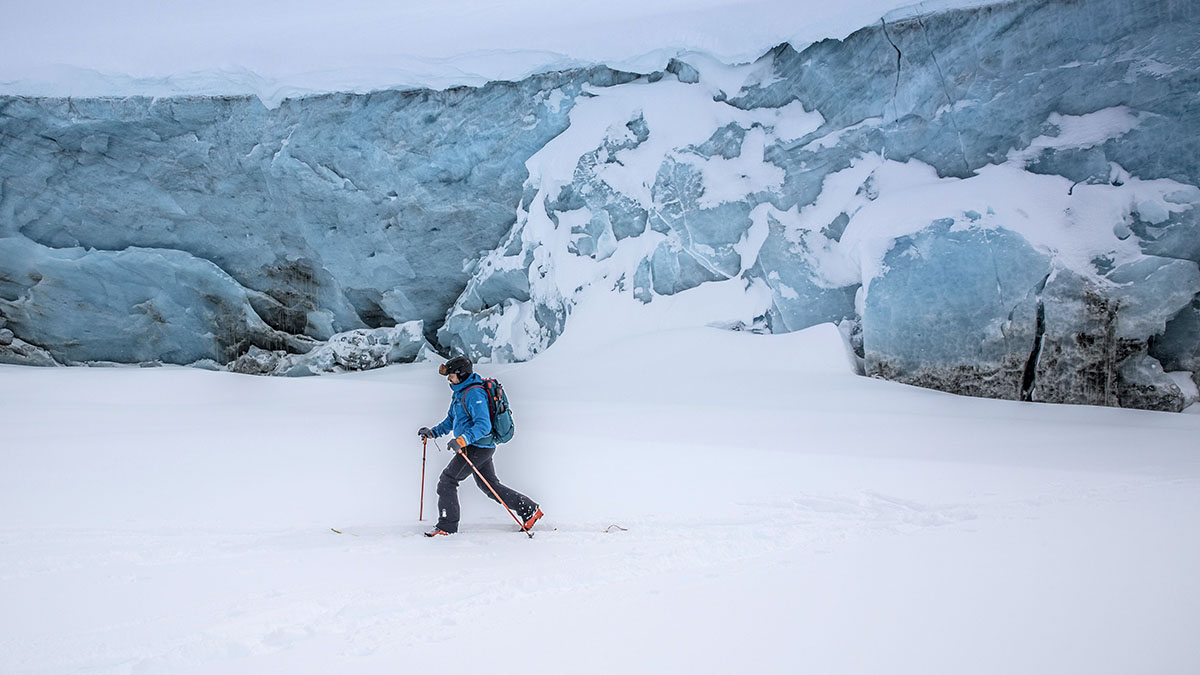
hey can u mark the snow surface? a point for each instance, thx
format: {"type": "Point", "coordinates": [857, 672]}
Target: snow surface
{"type": "Point", "coordinates": [782, 515]}
{"type": "Point", "coordinates": [276, 49]}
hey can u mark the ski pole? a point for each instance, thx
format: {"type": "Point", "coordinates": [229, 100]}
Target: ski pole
{"type": "Point", "coordinates": [463, 452]}
{"type": "Point", "coordinates": [424, 444]}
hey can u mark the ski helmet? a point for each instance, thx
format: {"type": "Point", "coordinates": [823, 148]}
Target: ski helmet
{"type": "Point", "coordinates": [460, 365]}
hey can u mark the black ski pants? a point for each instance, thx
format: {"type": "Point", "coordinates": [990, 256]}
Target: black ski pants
{"type": "Point", "coordinates": [457, 470]}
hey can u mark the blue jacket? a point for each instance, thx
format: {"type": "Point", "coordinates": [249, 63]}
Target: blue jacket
{"type": "Point", "coordinates": [469, 416]}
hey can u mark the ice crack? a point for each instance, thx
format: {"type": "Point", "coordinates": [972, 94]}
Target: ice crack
{"type": "Point", "coordinates": [962, 147]}
{"type": "Point", "coordinates": [1029, 378]}
{"type": "Point", "coordinates": [899, 54]}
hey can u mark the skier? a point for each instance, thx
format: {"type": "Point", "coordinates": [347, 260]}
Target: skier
{"type": "Point", "coordinates": [471, 423]}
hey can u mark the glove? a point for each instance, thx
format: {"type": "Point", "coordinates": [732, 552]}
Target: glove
{"type": "Point", "coordinates": [456, 444]}
{"type": "Point", "coordinates": [425, 432]}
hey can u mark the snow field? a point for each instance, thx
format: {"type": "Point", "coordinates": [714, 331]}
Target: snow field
{"type": "Point", "coordinates": [782, 515]}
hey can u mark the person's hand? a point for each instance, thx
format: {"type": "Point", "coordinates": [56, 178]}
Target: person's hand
{"type": "Point", "coordinates": [425, 432]}
{"type": "Point", "coordinates": [456, 444]}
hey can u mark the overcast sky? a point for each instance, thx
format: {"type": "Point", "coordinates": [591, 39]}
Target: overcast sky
{"type": "Point", "coordinates": [359, 43]}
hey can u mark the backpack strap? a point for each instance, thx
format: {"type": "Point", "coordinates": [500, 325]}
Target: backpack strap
{"type": "Point", "coordinates": [487, 400]}
{"type": "Point", "coordinates": [463, 400]}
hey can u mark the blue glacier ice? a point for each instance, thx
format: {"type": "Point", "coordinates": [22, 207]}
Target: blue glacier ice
{"type": "Point", "coordinates": [333, 212]}
{"type": "Point", "coordinates": [800, 296]}
{"type": "Point", "coordinates": [1004, 85]}
{"type": "Point", "coordinates": [183, 308]}
{"type": "Point", "coordinates": [997, 201]}
{"type": "Point", "coordinates": [956, 308]}
{"type": "Point", "coordinates": [1176, 348]}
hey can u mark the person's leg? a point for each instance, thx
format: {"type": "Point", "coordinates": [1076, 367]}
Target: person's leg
{"type": "Point", "coordinates": [447, 490]}
{"type": "Point", "coordinates": [519, 503]}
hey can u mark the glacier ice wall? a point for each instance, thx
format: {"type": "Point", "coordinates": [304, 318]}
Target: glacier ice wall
{"type": "Point", "coordinates": [330, 213]}
{"type": "Point", "coordinates": [998, 202]}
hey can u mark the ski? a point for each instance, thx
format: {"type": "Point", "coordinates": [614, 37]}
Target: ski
{"type": "Point", "coordinates": [530, 533]}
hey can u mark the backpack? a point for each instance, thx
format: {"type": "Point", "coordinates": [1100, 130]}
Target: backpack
{"type": "Point", "coordinates": [502, 421]}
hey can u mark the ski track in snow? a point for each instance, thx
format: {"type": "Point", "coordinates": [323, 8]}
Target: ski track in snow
{"type": "Point", "coordinates": [278, 618]}
{"type": "Point", "coordinates": [264, 592]}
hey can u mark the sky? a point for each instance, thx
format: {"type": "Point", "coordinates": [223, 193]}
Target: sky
{"type": "Point", "coordinates": [78, 48]}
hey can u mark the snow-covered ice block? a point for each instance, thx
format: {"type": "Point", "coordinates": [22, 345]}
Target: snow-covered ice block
{"type": "Point", "coordinates": [128, 306]}
{"type": "Point", "coordinates": [363, 349]}
{"type": "Point", "coordinates": [955, 309]}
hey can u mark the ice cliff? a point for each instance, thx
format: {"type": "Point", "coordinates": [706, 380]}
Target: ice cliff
{"type": "Point", "coordinates": [998, 202]}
